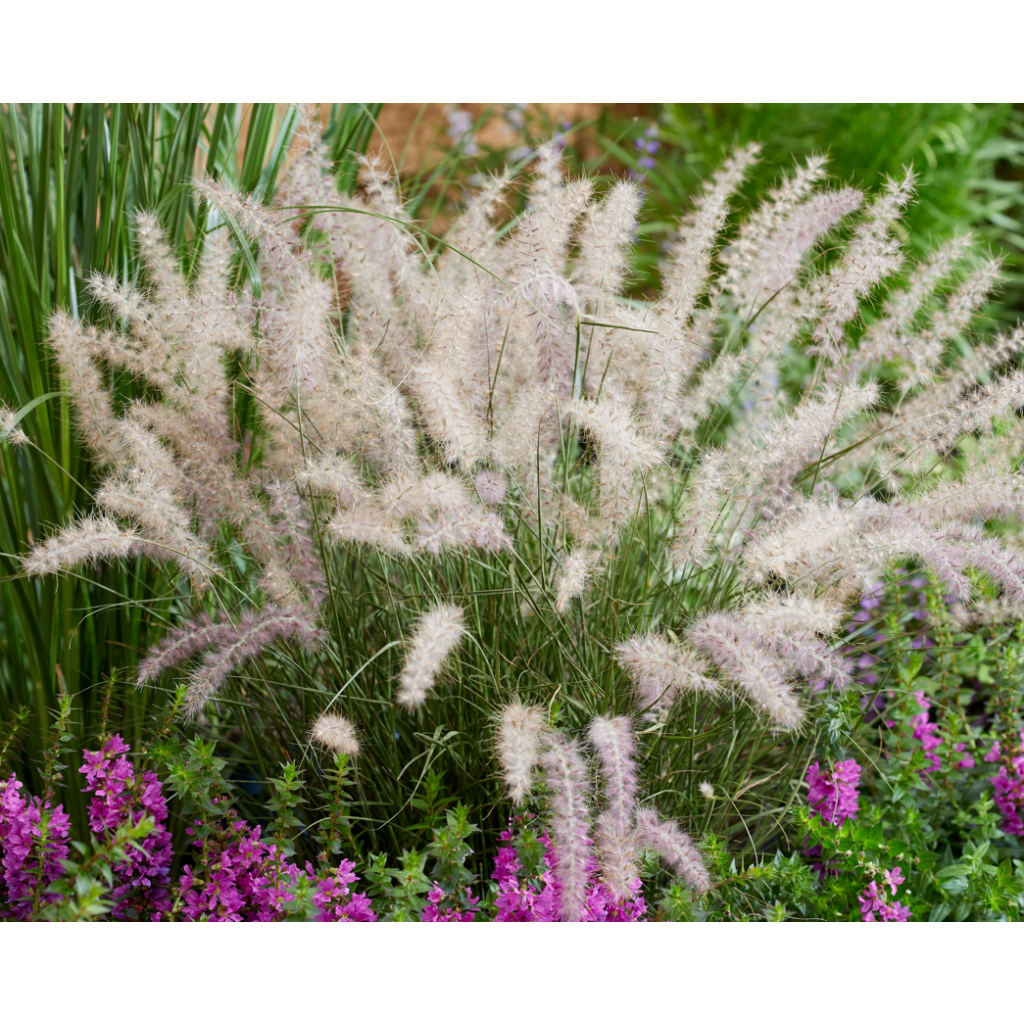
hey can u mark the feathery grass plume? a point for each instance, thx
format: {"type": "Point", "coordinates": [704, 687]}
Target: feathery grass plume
{"type": "Point", "coordinates": [623, 453]}
{"type": "Point", "coordinates": [871, 255]}
{"type": "Point", "coordinates": [778, 259]}
{"type": "Point", "coordinates": [300, 561]}
{"type": "Point", "coordinates": [731, 646]}
{"type": "Point", "coordinates": [397, 441]}
{"type": "Point", "coordinates": [462, 527]}
{"type": "Point", "coordinates": [10, 432]}
{"type": "Point", "coordinates": [164, 272]}
{"type": "Point", "coordinates": [801, 544]}
{"type": "Point", "coordinates": [888, 337]}
{"type": "Point", "coordinates": [335, 476]}
{"type": "Point", "coordinates": [806, 655]}
{"type": "Point", "coordinates": [1004, 396]}
{"type": "Point", "coordinates": [180, 644]}
{"type": "Point", "coordinates": [254, 633]}
{"type": "Point", "coordinates": [421, 496]}
{"type": "Point", "coordinates": [690, 257]}
{"type": "Point", "coordinates": [336, 733]}
{"type": "Point", "coordinates": [474, 234]}
{"type": "Point", "coordinates": [669, 841]}
{"type": "Point", "coordinates": [707, 790]}
{"type": "Point", "coordinates": [491, 486]}
{"type": "Point", "coordinates": [607, 235]}
{"type": "Point", "coordinates": [90, 540]}
{"type": "Point", "coordinates": [800, 438]}
{"type": "Point", "coordinates": [368, 525]}
{"type": "Point", "coordinates": [898, 533]}
{"type": "Point", "coordinates": [748, 260]}
{"type": "Point", "coordinates": [618, 438]}
{"type": "Point", "coordinates": [792, 613]}
{"type": "Point", "coordinates": [991, 492]}
{"type": "Point", "coordinates": [933, 420]}
{"type": "Point", "coordinates": [612, 738]}
{"type": "Point", "coordinates": [519, 736]}
{"type": "Point", "coordinates": [565, 775]}
{"type": "Point", "coordinates": [74, 347]}
{"type": "Point", "coordinates": [573, 578]}
{"type": "Point", "coordinates": [984, 360]}
{"type": "Point", "coordinates": [661, 671]}
{"type": "Point", "coordinates": [924, 354]}
{"type": "Point", "coordinates": [164, 525]}
{"type": "Point", "coordinates": [298, 341]}
{"type": "Point", "coordinates": [987, 555]}
{"type": "Point", "coordinates": [437, 634]}
{"type": "Point", "coordinates": [447, 412]}
{"type": "Point", "coordinates": [705, 491]}
{"type": "Point", "coordinates": [719, 380]}
{"type": "Point", "coordinates": [152, 494]}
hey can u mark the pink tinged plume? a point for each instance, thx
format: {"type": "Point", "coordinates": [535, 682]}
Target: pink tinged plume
{"type": "Point", "coordinates": [180, 644]}
{"type": "Point", "coordinates": [565, 775]}
{"type": "Point", "coordinates": [782, 256]}
{"type": "Point", "coordinates": [572, 580]}
{"type": "Point", "coordinates": [254, 632]}
{"type": "Point", "coordinates": [736, 650]}
{"type": "Point", "coordinates": [669, 841]}
{"type": "Point", "coordinates": [612, 738]}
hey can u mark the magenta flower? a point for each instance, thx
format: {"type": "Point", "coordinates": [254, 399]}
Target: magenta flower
{"type": "Point", "coordinates": [32, 846]}
{"type": "Point", "coordinates": [894, 879]}
{"type": "Point", "coordinates": [870, 901]}
{"type": "Point", "coordinates": [1009, 790]}
{"type": "Point", "coordinates": [925, 732]}
{"type": "Point", "coordinates": [834, 794]}
{"type": "Point", "coordinates": [434, 912]}
{"type": "Point", "coordinates": [894, 912]}
{"type": "Point", "coordinates": [336, 900]}
{"type": "Point", "coordinates": [967, 761]}
{"type": "Point", "coordinates": [249, 881]}
{"type": "Point", "coordinates": [121, 798]}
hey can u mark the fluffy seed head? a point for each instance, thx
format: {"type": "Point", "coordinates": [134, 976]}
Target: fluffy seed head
{"type": "Point", "coordinates": [438, 633]}
{"type": "Point", "coordinates": [9, 429]}
{"type": "Point", "coordinates": [491, 486]}
{"type": "Point", "coordinates": [336, 733]}
{"type": "Point", "coordinates": [519, 746]}
{"type": "Point", "coordinates": [572, 579]}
